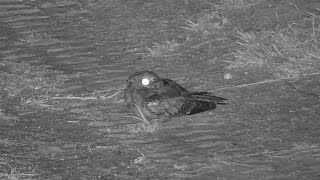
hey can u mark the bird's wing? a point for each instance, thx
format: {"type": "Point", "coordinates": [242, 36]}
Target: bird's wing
{"type": "Point", "coordinates": [164, 105]}
{"type": "Point", "coordinates": [173, 86]}
{"type": "Point", "coordinates": [174, 100]}
{"type": "Point", "coordinates": [209, 97]}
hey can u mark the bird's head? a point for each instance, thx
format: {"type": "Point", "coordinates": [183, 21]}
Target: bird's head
{"type": "Point", "coordinates": [145, 79]}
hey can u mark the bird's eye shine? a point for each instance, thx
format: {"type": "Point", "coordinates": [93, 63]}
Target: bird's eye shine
{"type": "Point", "coordinates": [145, 81]}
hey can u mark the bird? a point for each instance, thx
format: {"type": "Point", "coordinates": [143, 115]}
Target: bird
{"type": "Point", "coordinates": [150, 96]}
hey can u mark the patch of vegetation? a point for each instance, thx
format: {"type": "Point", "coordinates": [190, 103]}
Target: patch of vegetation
{"type": "Point", "coordinates": [34, 38]}
{"type": "Point", "coordinates": [14, 174]}
{"type": "Point", "coordinates": [211, 22]}
{"type": "Point", "coordinates": [114, 94]}
{"type": "Point", "coordinates": [236, 4]}
{"type": "Point", "coordinates": [163, 49]}
{"type": "Point", "coordinates": [23, 82]}
{"type": "Point", "coordinates": [286, 52]}
{"type": "Point", "coordinates": [143, 127]}
{"type": "Point", "coordinates": [207, 24]}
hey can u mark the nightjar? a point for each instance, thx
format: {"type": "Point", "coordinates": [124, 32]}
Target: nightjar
{"type": "Point", "coordinates": [164, 98]}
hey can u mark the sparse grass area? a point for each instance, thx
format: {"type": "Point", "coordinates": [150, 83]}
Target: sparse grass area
{"type": "Point", "coordinates": [143, 127]}
{"type": "Point", "coordinates": [207, 24]}
{"type": "Point", "coordinates": [25, 82]}
{"type": "Point", "coordinates": [236, 4]}
{"type": "Point", "coordinates": [286, 52]}
{"type": "Point", "coordinates": [112, 93]}
{"type": "Point", "coordinates": [36, 85]}
{"type": "Point", "coordinates": [245, 162]}
{"type": "Point", "coordinates": [303, 146]}
{"type": "Point", "coordinates": [164, 49]}
{"type": "Point", "coordinates": [14, 174]}
{"type": "Point", "coordinates": [34, 38]}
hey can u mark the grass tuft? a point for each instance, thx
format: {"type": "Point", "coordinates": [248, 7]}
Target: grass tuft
{"type": "Point", "coordinates": [143, 127]}
{"type": "Point", "coordinates": [146, 126]}
{"type": "Point", "coordinates": [287, 52]}
{"type": "Point", "coordinates": [236, 4]}
{"type": "Point", "coordinates": [23, 81]}
{"type": "Point", "coordinates": [159, 50]}
{"type": "Point", "coordinates": [207, 24]}
{"type": "Point", "coordinates": [14, 174]}
{"type": "Point", "coordinates": [113, 94]}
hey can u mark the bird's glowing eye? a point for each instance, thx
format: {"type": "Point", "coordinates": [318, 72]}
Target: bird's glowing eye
{"type": "Point", "coordinates": [145, 82]}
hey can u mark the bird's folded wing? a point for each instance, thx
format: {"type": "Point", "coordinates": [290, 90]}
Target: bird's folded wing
{"type": "Point", "coordinates": [166, 106]}
{"type": "Point", "coordinates": [209, 97]}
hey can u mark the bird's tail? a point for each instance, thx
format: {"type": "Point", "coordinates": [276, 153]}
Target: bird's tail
{"type": "Point", "coordinates": [208, 97]}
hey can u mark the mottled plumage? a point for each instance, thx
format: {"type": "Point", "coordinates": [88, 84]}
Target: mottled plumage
{"type": "Point", "coordinates": [163, 98]}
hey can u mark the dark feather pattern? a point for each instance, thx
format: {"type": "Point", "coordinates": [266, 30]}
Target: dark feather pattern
{"type": "Point", "coordinates": [163, 98]}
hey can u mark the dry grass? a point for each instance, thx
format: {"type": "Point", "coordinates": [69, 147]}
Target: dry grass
{"type": "Point", "coordinates": [207, 24]}
{"type": "Point", "coordinates": [112, 93]}
{"type": "Point", "coordinates": [143, 127]}
{"type": "Point", "coordinates": [146, 126]}
{"type": "Point", "coordinates": [24, 81]}
{"type": "Point", "coordinates": [34, 38]}
{"type": "Point", "coordinates": [247, 162]}
{"type": "Point", "coordinates": [236, 4]}
{"type": "Point", "coordinates": [286, 52]}
{"type": "Point", "coordinates": [141, 159]}
{"type": "Point", "coordinates": [210, 23]}
{"type": "Point", "coordinates": [14, 174]}
{"type": "Point", "coordinates": [159, 50]}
